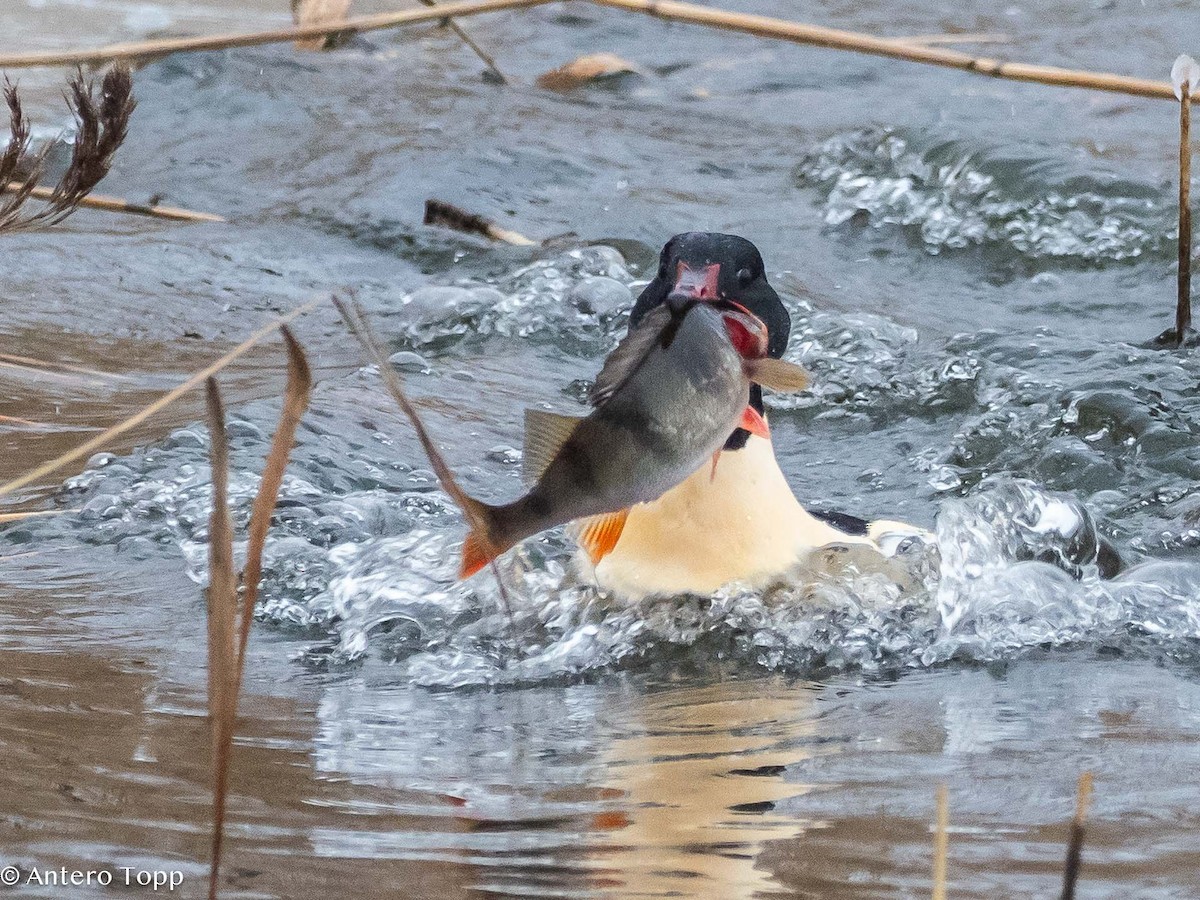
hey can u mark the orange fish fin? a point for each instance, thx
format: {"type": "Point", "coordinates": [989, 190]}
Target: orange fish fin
{"type": "Point", "coordinates": [474, 556]}
{"type": "Point", "coordinates": [545, 434]}
{"type": "Point", "coordinates": [777, 374]}
{"type": "Point", "coordinates": [598, 535]}
{"type": "Point", "coordinates": [712, 476]}
{"type": "Point", "coordinates": [754, 423]}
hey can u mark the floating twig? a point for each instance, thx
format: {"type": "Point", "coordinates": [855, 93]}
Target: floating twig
{"type": "Point", "coordinates": [1185, 78]}
{"type": "Point", "coordinates": [102, 123]}
{"type": "Point", "coordinates": [1075, 844]}
{"type": "Point", "coordinates": [143, 49]}
{"type": "Point", "coordinates": [447, 215]}
{"type": "Point", "coordinates": [95, 443]}
{"type": "Point", "coordinates": [118, 204]}
{"type": "Point", "coordinates": [838, 39]}
{"type": "Point", "coordinates": [356, 321]}
{"type": "Point", "coordinates": [587, 68]}
{"type": "Point", "coordinates": [229, 629]}
{"type": "Point", "coordinates": [941, 843]}
{"type": "Point", "coordinates": [487, 58]}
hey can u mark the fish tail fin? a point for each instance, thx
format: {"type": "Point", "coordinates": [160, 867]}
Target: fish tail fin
{"type": "Point", "coordinates": [480, 546]}
{"type": "Point", "coordinates": [474, 556]}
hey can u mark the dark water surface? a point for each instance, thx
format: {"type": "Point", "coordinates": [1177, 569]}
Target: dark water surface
{"type": "Point", "coordinates": [974, 269]}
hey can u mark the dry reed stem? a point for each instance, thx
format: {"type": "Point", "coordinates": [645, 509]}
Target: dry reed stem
{"type": "Point", "coordinates": [229, 630]}
{"type": "Point", "coordinates": [121, 205]}
{"type": "Point", "coordinates": [837, 39]}
{"type": "Point", "coordinates": [141, 49]}
{"type": "Point", "coordinates": [71, 377]}
{"type": "Point", "coordinates": [983, 37]}
{"type": "Point", "coordinates": [1083, 797]}
{"type": "Point", "coordinates": [16, 158]}
{"type": "Point", "coordinates": [102, 123]}
{"type": "Point", "coordinates": [487, 58]}
{"type": "Point", "coordinates": [356, 320]}
{"type": "Point", "coordinates": [222, 607]}
{"type": "Point", "coordinates": [441, 214]}
{"type": "Point", "coordinates": [30, 362]}
{"type": "Point", "coordinates": [941, 843]}
{"type": "Point", "coordinates": [95, 443]}
{"type": "Point", "coordinates": [1183, 301]}
{"type": "Point", "coordinates": [295, 402]}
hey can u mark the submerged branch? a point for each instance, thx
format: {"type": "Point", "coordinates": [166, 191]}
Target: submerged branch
{"type": "Point", "coordinates": [941, 843]}
{"type": "Point", "coordinates": [1075, 844]}
{"type": "Point", "coordinates": [488, 59]}
{"type": "Point", "coordinates": [446, 215]}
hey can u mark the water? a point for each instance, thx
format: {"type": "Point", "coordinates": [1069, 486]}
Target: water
{"type": "Point", "coordinates": [974, 270]}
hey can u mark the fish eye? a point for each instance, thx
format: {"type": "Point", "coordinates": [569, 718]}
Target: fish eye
{"type": "Point", "coordinates": [745, 277]}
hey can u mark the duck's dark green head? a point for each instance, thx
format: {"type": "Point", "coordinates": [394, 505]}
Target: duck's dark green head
{"type": "Point", "coordinates": [701, 265]}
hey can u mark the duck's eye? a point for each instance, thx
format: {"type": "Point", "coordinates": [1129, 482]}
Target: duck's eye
{"type": "Point", "coordinates": [744, 277]}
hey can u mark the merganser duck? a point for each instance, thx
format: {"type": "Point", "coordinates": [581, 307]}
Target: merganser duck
{"type": "Point", "coordinates": [739, 522]}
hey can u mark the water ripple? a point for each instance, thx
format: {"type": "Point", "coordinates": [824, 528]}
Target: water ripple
{"type": "Point", "coordinates": [953, 196]}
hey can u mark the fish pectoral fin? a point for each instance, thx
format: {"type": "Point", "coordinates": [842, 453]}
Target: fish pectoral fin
{"type": "Point", "coordinates": [598, 535]}
{"type": "Point", "coordinates": [545, 434]}
{"type": "Point", "coordinates": [754, 423]}
{"type": "Point", "coordinates": [777, 374]}
{"type": "Point", "coordinates": [712, 476]}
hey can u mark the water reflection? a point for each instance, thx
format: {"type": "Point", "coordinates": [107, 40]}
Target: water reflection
{"type": "Point", "coordinates": [702, 770]}
{"type": "Point", "coordinates": [592, 790]}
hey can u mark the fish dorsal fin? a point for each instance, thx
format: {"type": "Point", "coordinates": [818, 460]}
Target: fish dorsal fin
{"type": "Point", "coordinates": [545, 434]}
{"type": "Point", "coordinates": [777, 374]}
{"type": "Point", "coordinates": [629, 354]}
{"type": "Point", "coordinates": [598, 535]}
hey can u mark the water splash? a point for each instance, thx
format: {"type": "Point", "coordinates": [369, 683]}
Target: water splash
{"type": "Point", "coordinates": [581, 294]}
{"type": "Point", "coordinates": [1002, 588]}
{"type": "Point", "coordinates": [362, 545]}
{"type": "Point", "coordinates": [954, 196]}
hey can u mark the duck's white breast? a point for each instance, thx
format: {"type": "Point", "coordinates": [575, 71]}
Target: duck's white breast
{"type": "Point", "coordinates": [742, 525]}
